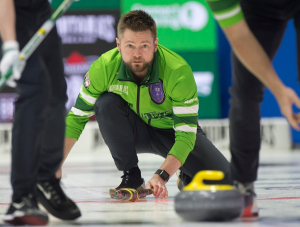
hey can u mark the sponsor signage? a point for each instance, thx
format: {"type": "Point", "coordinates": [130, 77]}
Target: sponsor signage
{"type": "Point", "coordinates": [191, 22]}
{"type": "Point", "coordinates": [86, 29]}
{"type": "Point", "coordinates": [77, 63]}
{"type": "Point", "coordinates": [85, 36]}
{"type": "Point", "coordinates": [89, 32]}
{"type": "Point", "coordinates": [76, 66]}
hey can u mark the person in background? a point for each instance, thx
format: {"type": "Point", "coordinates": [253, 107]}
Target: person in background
{"type": "Point", "coordinates": [254, 28]}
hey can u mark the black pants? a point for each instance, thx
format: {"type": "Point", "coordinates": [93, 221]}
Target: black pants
{"type": "Point", "coordinates": [126, 134]}
{"type": "Point", "coordinates": [267, 19]}
{"type": "Point", "coordinates": [39, 125]}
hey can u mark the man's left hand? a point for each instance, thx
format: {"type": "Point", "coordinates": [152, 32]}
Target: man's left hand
{"type": "Point", "coordinates": [11, 59]}
{"type": "Point", "coordinates": [158, 186]}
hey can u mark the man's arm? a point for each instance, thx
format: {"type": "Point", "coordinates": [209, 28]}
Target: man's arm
{"type": "Point", "coordinates": [10, 46]}
{"type": "Point", "coordinates": [68, 145]}
{"type": "Point", "coordinates": [249, 51]}
{"type": "Point", "coordinates": [254, 58]}
{"type": "Point", "coordinates": [7, 20]}
{"type": "Point", "coordinates": [185, 116]}
{"type": "Point", "coordinates": [83, 109]}
{"type": "Point", "coordinates": [170, 165]}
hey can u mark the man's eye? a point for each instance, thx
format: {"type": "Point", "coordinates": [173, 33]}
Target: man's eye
{"type": "Point", "coordinates": [130, 46]}
{"type": "Point", "coordinates": [145, 46]}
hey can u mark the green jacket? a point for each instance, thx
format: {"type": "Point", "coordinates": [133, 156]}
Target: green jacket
{"type": "Point", "coordinates": [166, 98]}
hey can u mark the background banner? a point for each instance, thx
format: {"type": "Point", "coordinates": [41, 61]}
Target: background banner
{"type": "Point", "coordinates": [181, 25]}
{"type": "Point", "coordinates": [85, 36]}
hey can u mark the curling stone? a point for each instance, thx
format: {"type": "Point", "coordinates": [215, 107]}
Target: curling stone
{"type": "Point", "coordinates": [201, 202]}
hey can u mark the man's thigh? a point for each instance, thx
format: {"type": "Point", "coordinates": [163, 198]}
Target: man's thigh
{"type": "Point", "coordinates": [204, 156]}
{"type": "Point", "coordinates": [161, 140]}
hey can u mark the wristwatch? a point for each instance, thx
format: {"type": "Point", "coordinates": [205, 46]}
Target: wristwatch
{"type": "Point", "coordinates": [163, 174]}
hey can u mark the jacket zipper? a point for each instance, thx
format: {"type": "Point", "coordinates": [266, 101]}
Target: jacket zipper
{"type": "Point", "coordinates": [138, 101]}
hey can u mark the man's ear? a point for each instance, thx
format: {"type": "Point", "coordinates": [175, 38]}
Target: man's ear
{"type": "Point", "coordinates": [118, 44]}
{"type": "Point", "coordinates": [155, 44]}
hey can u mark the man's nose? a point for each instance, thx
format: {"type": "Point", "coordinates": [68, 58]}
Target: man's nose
{"type": "Point", "coordinates": [137, 52]}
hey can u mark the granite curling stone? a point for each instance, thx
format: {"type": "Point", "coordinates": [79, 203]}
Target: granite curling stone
{"type": "Point", "coordinates": [201, 202]}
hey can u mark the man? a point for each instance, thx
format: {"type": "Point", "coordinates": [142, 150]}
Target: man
{"type": "Point", "coordinates": [38, 128]}
{"type": "Point", "coordinates": [145, 100]}
{"type": "Point", "coordinates": [253, 47]}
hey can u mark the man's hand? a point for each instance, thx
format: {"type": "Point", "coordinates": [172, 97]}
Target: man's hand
{"type": "Point", "coordinates": [158, 186]}
{"type": "Point", "coordinates": [286, 98]}
{"type": "Point", "coordinates": [10, 50]}
{"type": "Point", "coordinates": [170, 165]}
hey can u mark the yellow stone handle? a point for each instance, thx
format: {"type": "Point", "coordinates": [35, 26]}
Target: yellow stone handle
{"type": "Point", "coordinates": [197, 182]}
{"type": "Point", "coordinates": [209, 175]}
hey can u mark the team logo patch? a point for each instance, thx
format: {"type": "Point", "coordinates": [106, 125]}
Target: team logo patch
{"type": "Point", "coordinates": [156, 92]}
{"type": "Point", "coordinates": [87, 81]}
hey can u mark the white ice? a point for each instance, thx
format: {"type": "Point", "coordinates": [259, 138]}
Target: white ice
{"type": "Point", "coordinates": [87, 177]}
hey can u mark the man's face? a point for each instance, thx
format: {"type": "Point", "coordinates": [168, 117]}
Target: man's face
{"type": "Point", "coordinates": [137, 50]}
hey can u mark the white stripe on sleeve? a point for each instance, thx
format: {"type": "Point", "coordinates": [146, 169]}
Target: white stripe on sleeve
{"type": "Point", "coordinates": [186, 128]}
{"type": "Point", "coordinates": [79, 112]}
{"type": "Point", "coordinates": [228, 14]}
{"type": "Point", "coordinates": [185, 110]}
{"type": "Point", "coordinates": [87, 97]}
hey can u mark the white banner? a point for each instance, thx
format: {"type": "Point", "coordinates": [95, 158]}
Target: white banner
{"type": "Point", "coordinates": [275, 135]}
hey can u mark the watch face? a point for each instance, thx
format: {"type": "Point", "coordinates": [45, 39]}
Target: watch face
{"type": "Point", "coordinates": [164, 175]}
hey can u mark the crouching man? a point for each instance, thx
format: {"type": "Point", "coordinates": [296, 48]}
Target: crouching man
{"type": "Point", "coordinates": [145, 100]}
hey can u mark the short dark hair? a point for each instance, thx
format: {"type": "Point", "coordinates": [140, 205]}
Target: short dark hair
{"type": "Point", "coordinates": [137, 21]}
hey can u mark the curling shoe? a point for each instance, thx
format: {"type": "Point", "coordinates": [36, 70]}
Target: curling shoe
{"type": "Point", "coordinates": [52, 197]}
{"type": "Point", "coordinates": [250, 202]}
{"type": "Point", "coordinates": [132, 179]}
{"type": "Point", "coordinates": [25, 212]}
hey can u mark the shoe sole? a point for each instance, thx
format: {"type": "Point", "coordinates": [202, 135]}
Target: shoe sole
{"type": "Point", "coordinates": [126, 194]}
{"type": "Point", "coordinates": [27, 220]}
{"type": "Point", "coordinates": [141, 188]}
{"type": "Point", "coordinates": [248, 215]}
{"type": "Point", "coordinates": [59, 214]}
{"type": "Point", "coordinates": [252, 218]}
{"type": "Point", "coordinates": [112, 192]}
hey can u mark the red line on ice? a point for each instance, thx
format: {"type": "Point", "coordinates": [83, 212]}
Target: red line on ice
{"type": "Point", "coordinates": [280, 198]}
{"type": "Point", "coordinates": [120, 201]}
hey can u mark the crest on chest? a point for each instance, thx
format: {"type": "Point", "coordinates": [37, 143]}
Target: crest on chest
{"type": "Point", "coordinates": [156, 92]}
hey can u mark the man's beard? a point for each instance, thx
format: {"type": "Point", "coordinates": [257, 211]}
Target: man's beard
{"type": "Point", "coordinates": [137, 68]}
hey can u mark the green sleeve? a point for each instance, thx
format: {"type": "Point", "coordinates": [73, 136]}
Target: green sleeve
{"type": "Point", "coordinates": [226, 12]}
{"type": "Point", "coordinates": [185, 111]}
{"type": "Point", "coordinates": [94, 84]}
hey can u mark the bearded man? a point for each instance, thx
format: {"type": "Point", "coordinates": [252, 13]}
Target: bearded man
{"type": "Point", "coordinates": [145, 100]}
